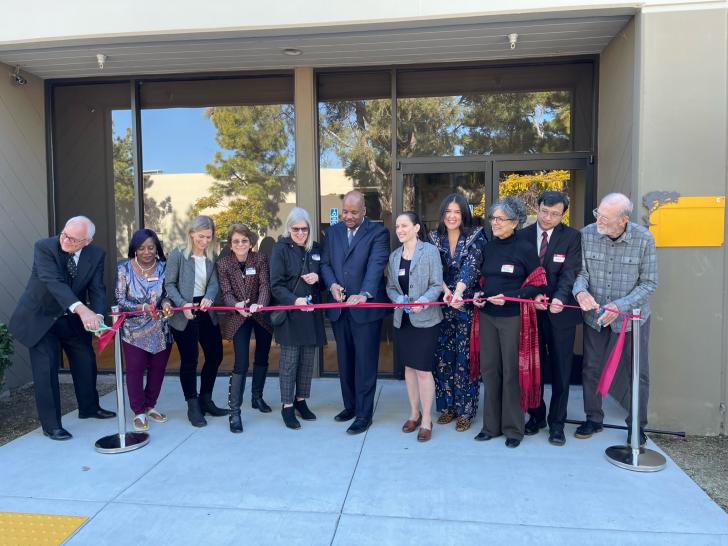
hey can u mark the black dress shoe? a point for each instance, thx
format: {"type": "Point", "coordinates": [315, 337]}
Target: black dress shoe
{"type": "Point", "coordinates": [588, 429]}
{"type": "Point", "coordinates": [483, 436]}
{"type": "Point", "coordinates": [98, 414]}
{"type": "Point", "coordinates": [556, 437]}
{"type": "Point", "coordinates": [643, 437]}
{"type": "Point", "coordinates": [513, 442]}
{"type": "Point", "coordinates": [533, 426]}
{"type": "Point", "coordinates": [58, 434]}
{"type": "Point", "coordinates": [345, 415]}
{"type": "Point", "coordinates": [359, 425]}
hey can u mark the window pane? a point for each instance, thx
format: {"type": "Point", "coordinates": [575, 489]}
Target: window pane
{"type": "Point", "coordinates": [485, 123]}
{"type": "Point", "coordinates": [355, 153]}
{"type": "Point", "coordinates": [234, 163]}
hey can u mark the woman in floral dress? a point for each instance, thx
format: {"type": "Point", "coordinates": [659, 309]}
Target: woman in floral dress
{"type": "Point", "coordinates": [461, 250]}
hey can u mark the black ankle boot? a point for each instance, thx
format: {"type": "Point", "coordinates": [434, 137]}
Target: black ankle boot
{"type": "Point", "coordinates": [235, 400]}
{"type": "Point", "coordinates": [303, 411]}
{"type": "Point", "coordinates": [209, 407]}
{"type": "Point", "coordinates": [258, 403]}
{"type": "Point", "coordinates": [289, 417]}
{"type": "Point", "coordinates": [194, 413]}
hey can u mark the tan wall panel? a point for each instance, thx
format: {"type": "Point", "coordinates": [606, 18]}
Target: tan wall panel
{"type": "Point", "coordinates": [23, 197]}
{"type": "Point", "coordinates": [683, 148]}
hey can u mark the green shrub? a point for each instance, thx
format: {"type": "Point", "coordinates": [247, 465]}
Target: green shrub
{"type": "Point", "coordinates": [6, 352]}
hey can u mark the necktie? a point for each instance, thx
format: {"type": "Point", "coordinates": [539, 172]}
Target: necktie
{"type": "Point", "coordinates": [350, 235]}
{"type": "Point", "coordinates": [71, 266]}
{"type": "Point", "coordinates": [544, 245]}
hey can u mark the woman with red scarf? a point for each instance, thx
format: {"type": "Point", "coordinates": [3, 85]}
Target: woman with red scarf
{"type": "Point", "coordinates": [508, 355]}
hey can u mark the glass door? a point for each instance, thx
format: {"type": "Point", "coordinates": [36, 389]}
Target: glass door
{"type": "Point", "coordinates": [526, 179]}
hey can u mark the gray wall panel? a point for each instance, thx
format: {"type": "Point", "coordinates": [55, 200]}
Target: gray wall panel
{"type": "Point", "coordinates": [23, 197]}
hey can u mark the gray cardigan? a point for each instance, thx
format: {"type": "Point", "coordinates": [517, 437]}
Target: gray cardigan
{"type": "Point", "coordinates": [425, 284]}
{"type": "Point", "coordinates": [179, 284]}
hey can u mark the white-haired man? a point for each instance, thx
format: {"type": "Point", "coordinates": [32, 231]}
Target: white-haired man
{"type": "Point", "coordinates": [64, 300]}
{"type": "Point", "coordinates": [618, 274]}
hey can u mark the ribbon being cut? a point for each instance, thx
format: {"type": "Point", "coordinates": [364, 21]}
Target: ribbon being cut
{"type": "Point", "coordinates": [528, 358]}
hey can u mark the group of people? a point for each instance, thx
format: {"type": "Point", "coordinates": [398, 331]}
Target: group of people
{"type": "Point", "coordinates": [472, 308]}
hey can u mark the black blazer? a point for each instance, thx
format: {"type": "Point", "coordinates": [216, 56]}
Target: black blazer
{"type": "Point", "coordinates": [49, 294]}
{"type": "Point", "coordinates": [560, 275]}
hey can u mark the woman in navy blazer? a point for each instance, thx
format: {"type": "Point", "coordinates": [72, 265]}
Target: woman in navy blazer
{"type": "Point", "coordinates": [415, 274]}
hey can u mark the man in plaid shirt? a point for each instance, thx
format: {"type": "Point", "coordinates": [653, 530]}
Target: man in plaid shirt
{"type": "Point", "coordinates": [618, 273]}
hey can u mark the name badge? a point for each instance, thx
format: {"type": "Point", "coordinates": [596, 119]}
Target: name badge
{"type": "Point", "coordinates": [508, 268]}
{"type": "Point", "coordinates": [401, 272]}
{"type": "Point", "coordinates": [152, 279]}
{"type": "Point", "coordinates": [250, 271]}
{"type": "Point", "coordinates": [316, 257]}
{"type": "Point", "coordinates": [559, 258]}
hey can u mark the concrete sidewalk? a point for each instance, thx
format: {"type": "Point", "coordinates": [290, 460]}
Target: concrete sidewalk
{"type": "Point", "coordinates": [318, 485]}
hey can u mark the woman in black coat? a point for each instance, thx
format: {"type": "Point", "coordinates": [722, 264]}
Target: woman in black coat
{"type": "Point", "coordinates": [294, 279]}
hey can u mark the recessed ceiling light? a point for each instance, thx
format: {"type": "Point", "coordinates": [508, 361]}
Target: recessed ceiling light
{"type": "Point", "coordinates": [292, 51]}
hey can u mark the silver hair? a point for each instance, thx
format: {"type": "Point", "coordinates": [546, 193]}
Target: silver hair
{"type": "Point", "coordinates": [627, 205]}
{"type": "Point", "coordinates": [512, 207]}
{"type": "Point", "coordinates": [296, 215]}
{"type": "Point", "coordinates": [199, 223]}
{"type": "Point", "coordinates": [90, 227]}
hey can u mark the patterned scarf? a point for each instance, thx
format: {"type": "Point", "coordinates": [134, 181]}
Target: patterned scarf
{"type": "Point", "coordinates": [529, 363]}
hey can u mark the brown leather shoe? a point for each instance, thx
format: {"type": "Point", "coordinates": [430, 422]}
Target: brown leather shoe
{"type": "Point", "coordinates": [446, 417]}
{"type": "Point", "coordinates": [424, 434]}
{"type": "Point", "coordinates": [410, 425]}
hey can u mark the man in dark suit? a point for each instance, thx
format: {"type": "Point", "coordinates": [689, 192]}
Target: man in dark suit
{"type": "Point", "coordinates": [559, 250]}
{"type": "Point", "coordinates": [353, 259]}
{"type": "Point", "coordinates": [52, 315]}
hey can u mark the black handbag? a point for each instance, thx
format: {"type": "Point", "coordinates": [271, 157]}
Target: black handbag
{"type": "Point", "coordinates": [276, 318]}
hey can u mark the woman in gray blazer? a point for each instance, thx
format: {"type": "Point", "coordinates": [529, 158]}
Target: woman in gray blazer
{"type": "Point", "coordinates": [190, 279]}
{"type": "Point", "coordinates": [414, 274]}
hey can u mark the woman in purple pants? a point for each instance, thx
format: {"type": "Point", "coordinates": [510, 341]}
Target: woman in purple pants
{"type": "Point", "coordinates": [145, 340]}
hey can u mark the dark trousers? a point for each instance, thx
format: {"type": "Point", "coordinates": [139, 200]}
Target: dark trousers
{"type": "Point", "coordinates": [556, 350]}
{"type": "Point", "coordinates": [198, 330]}
{"type": "Point", "coordinates": [597, 345]}
{"type": "Point", "coordinates": [357, 354]}
{"type": "Point", "coordinates": [241, 343]}
{"type": "Point", "coordinates": [66, 334]}
{"type": "Point", "coordinates": [137, 361]}
{"type": "Point", "coordinates": [499, 369]}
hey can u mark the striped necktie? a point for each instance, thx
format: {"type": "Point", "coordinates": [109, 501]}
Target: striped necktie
{"type": "Point", "coordinates": [544, 245]}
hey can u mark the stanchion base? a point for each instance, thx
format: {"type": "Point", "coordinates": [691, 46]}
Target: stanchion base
{"type": "Point", "coordinates": [112, 443]}
{"type": "Point", "coordinates": [647, 461]}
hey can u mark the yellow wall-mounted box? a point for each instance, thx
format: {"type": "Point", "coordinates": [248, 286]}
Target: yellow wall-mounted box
{"type": "Point", "coordinates": [691, 221]}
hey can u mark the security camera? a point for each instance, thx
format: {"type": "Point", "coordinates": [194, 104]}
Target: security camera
{"type": "Point", "coordinates": [17, 78]}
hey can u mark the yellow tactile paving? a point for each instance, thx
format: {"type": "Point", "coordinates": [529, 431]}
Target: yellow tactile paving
{"type": "Point", "coordinates": [17, 529]}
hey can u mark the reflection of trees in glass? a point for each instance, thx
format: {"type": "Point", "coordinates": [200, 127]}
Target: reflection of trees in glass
{"type": "Point", "coordinates": [154, 212]}
{"type": "Point", "coordinates": [254, 172]}
{"type": "Point", "coordinates": [359, 134]}
{"type": "Point", "coordinates": [528, 186]}
{"type": "Point", "coordinates": [516, 122]}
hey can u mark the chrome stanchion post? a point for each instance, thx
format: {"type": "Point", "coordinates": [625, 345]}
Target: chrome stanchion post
{"type": "Point", "coordinates": [634, 457]}
{"type": "Point", "coordinates": [123, 441]}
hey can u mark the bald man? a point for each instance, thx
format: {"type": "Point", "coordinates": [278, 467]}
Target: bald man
{"type": "Point", "coordinates": [353, 258]}
{"type": "Point", "coordinates": [65, 299]}
{"type": "Point", "coordinates": [618, 274]}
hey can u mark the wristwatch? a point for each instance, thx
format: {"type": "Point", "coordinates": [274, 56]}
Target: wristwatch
{"type": "Point", "coordinates": [367, 295]}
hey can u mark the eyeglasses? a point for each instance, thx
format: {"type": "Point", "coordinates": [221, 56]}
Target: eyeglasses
{"type": "Point", "coordinates": [550, 214]}
{"type": "Point", "coordinates": [71, 240]}
{"type": "Point", "coordinates": [498, 219]}
{"type": "Point", "coordinates": [299, 229]}
{"type": "Point", "coordinates": [240, 241]}
{"type": "Point", "coordinates": [599, 216]}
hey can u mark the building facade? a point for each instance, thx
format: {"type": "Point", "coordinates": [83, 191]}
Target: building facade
{"type": "Point", "coordinates": [243, 114]}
